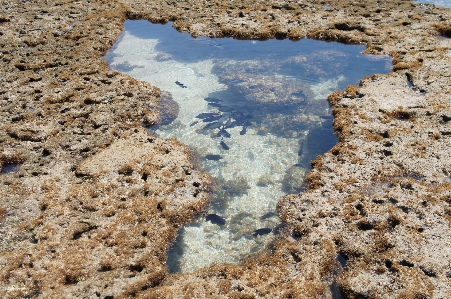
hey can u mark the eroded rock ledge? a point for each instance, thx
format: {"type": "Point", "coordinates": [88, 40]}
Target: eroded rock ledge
{"type": "Point", "coordinates": [97, 200]}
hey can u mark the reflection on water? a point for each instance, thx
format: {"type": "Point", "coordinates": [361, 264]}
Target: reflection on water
{"type": "Point", "coordinates": [256, 113]}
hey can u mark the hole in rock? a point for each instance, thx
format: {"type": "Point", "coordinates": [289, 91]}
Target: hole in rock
{"type": "Point", "coordinates": [46, 152]}
{"type": "Point", "coordinates": [429, 272]}
{"type": "Point", "coordinates": [364, 225]}
{"type": "Point", "coordinates": [137, 268]}
{"type": "Point", "coordinates": [388, 264]}
{"type": "Point", "coordinates": [256, 112]}
{"type": "Point", "coordinates": [144, 177]}
{"type": "Point", "coordinates": [406, 264]}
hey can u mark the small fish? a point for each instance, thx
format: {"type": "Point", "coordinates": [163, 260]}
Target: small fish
{"type": "Point", "coordinates": [205, 115]}
{"type": "Point", "coordinates": [300, 151]}
{"type": "Point", "coordinates": [224, 145]}
{"type": "Point", "coordinates": [243, 131]}
{"type": "Point", "coordinates": [213, 125]}
{"type": "Point", "coordinates": [215, 219]}
{"type": "Point", "coordinates": [268, 215]}
{"type": "Point", "coordinates": [210, 118]}
{"type": "Point", "coordinates": [194, 123]}
{"type": "Point", "coordinates": [180, 84]}
{"type": "Point", "coordinates": [224, 133]}
{"type": "Point", "coordinates": [262, 231]}
{"type": "Point", "coordinates": [213, 157]}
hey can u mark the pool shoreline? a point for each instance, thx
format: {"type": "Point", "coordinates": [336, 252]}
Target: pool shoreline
{"type": "Point", "coordinates": [78, 221]}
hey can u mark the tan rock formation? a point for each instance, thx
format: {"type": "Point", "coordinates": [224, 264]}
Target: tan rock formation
{"type": "Point", "coordinates": [97, 201]}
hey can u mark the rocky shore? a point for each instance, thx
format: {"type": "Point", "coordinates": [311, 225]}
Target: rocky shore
{"type": "Point", "coordinates": [90, 201]}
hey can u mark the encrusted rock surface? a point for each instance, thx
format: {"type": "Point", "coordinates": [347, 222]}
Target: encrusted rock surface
{"type": "Point", "coordinates": [97, 201]}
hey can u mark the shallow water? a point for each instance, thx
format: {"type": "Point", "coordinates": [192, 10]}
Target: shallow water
{"type": "Point", "coordinates": [444, 3]}
{"type": "Point", "coordinates": [255, 112]}
{"type": "Point", "coordinates": [10, 168]}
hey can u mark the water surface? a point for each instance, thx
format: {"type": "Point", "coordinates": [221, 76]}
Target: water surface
{"type": "Point", "coordinates": [444, 3]}
{"type": "Point", "coordinates": [255, 112]}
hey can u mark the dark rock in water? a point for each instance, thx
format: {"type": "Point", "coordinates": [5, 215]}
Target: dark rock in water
{"type": "Point", "coordinates": [212, 100]}
{"type": "Point", "coordinates": [262, 231]}
{"type": "Point", "coordinates": [215, 219]}
{"type": "Point", "coordinates": [168, 108]}
{"type": "Point", "coordinates": [213, 157]}
{"type": "Point", "coordinates": [268, 215]}
{"type": "Point", "coordinates": [224, 145]}
{"type": "Point", "coordinates": [223, 133]}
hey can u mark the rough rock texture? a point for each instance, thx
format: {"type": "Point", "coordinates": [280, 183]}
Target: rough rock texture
{"type": "Point", "coordinates": [97, 201]}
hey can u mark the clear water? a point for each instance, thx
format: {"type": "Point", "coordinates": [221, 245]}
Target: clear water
{"type": "Point", "coordinates": [255, 112]}
{"type": "Point", "coordinates": [444, 3]}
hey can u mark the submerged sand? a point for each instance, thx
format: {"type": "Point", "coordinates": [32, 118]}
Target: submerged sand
{"type": "Point", "coordinates": [97, 201]}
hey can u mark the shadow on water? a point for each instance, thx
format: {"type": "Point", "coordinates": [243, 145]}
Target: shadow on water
{"type": "Point", "coordinates": [257, 114]}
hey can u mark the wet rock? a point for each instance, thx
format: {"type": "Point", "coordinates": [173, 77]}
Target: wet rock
{"type": "Point", "coordinates": [293, 179]}
{"type": "Point", "coordinates": [168, 109]}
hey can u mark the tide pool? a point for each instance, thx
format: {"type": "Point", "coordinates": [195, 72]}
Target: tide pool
{"type": "Point", "coordinates": [255, 114]}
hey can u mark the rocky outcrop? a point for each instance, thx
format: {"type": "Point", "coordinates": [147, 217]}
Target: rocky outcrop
{"type": "Point", "coordinates": [97, 201]}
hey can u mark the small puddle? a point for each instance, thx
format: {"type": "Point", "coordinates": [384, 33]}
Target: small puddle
{"type": "Point", "coordinates": [255, 112]}
{"type": "Point", "coordinates": [10, 168]}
